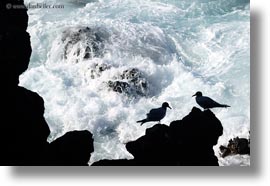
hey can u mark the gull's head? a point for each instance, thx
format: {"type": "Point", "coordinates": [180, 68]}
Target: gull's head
{"type": "Point", "coordinates": [198, 94]}
{"type": "Point", "coordinates": [165, 105]}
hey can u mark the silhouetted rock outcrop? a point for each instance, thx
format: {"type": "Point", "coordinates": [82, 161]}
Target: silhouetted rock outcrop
{"type": "Point", "coordinates": [74, 148]}
{"type": "Point", "coordinates": [13, 14]}
{"type": "Point", "coordinates": [155, 148]}
{"type": "Point", "coordinates": [185, 142]}
{"type": "Point", "coordinates": [195, 135]}
{"type": "Point", "coordinates": [23, 130]}
{"type": "Point", "coordinates": [120, 162]}
{"type": "Point", "coordinates": [236, 146]}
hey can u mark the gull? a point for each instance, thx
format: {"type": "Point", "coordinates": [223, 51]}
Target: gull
{"type": "Point", "coordinates": [156, 114]}
{"type": "Point", "coordinates": [206, 102]}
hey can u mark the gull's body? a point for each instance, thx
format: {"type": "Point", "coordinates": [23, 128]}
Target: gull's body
{"type": "Point", "coordinates": [206, 102]}
{"type": "Point", "coordinates": [156, 114]}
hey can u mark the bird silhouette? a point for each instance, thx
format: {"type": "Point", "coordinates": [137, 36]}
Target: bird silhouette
{"type": "Point", "coordinates": [206, 102]}
{"type": "Point", "coordinates": [155, 114]}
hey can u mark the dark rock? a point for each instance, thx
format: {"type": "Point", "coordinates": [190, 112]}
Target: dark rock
{"type": "Point", "coordinates": [91, 43]}
{"type": "Point", "coordinates": [155, 148]}
{"type": "Point", "coordinates": [236, 146]}
{"type": "Point", "coordinates": [131, 82]}
{"type": "Point", "coordinates": [122, 162]}
{"type": "Point", "coordinates": [24, 136]}
{"type": "Point", "coordinates": [186, 142]}
{"type": "Point", "coordinates": [74, 148]}
{"type": "Point", "coordinates": [15, 54]}
{"type": "Point", "coordinates": [13, 15]}
{"type": "Point", "coordinates": [196, 134]}
{"type": "Point", "coordinates": [24, 131]}
{"type": "Point", "coordinates": [197, 126]}
{"type": "Point", "coordinates": [119, 86]}
{"type": "Point", "coordinates": [98, 69]}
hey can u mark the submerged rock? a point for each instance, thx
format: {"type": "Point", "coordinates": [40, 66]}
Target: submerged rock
{"type": "Point", "coordinates": [236, 146]}
{"type": "Point", "coordinates": [130, 82]}
{"type": "Point", "coordinates": [119, 86]}
{"type": "Point", "coordinates": [83, 43]}
{"type": "Point", "coordinates": [98, 69]}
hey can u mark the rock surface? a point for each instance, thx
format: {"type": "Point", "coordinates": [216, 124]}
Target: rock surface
{"type": "Point", "coordinates": [186, 142]}
{"type": "Point", "coordinates": [23, 130]}
{"type": "Point", "coordinates": [83, 43]}
{"type": "Point", "coordinates": [236, 146]}
{"type": "Point", "coordinates": [131, 82]}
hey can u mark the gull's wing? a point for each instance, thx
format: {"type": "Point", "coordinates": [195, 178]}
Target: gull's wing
{"type": "Point", "coordinates": [156, 114]}
{"type": "Point", "coordinates": [208, 102]}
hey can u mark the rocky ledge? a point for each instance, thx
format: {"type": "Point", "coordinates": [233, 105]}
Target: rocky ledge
{"type": "Point", "coordinates": [23, 130]}
{"type": "Point", "coordinates": [186, 142]}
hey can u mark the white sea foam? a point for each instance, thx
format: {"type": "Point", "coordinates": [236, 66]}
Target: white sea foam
{"type": "Point", "coordinates": [179, 46]}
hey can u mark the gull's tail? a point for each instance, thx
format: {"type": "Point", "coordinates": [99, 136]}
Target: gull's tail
{"type": "Point", "coordinates": [225, 106]}
{"type": "Point", "coordinates": [142, 121]}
